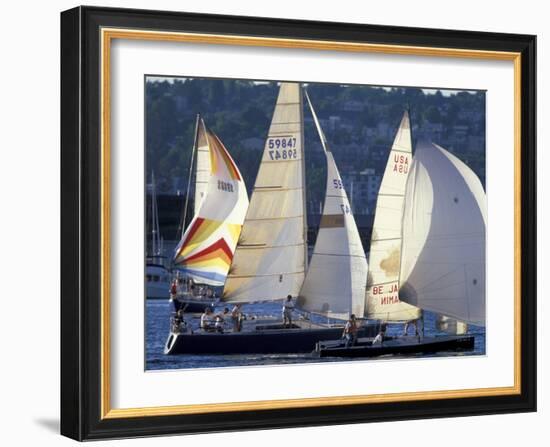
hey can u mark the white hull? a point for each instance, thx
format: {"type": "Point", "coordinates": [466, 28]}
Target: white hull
{"type": "Point", "coordinates": [157, 282]}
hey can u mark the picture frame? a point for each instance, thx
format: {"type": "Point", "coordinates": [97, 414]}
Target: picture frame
{"type": "Point", "coordinates": [87, 34]}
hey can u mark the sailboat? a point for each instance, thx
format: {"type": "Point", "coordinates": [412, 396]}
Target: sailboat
{"type": "Point", "coordinates": [270, 260]}
{"type": "Point", "coordinates": [436, 259]}
{"type": "Point", "coordinates": [205, 251]}
{"type": "Point", "coordinates": [157, 276]}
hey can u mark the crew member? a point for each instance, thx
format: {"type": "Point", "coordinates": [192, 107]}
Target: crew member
{"type": "Point", "coordinates": [236, 317]}
{"type": "Point", "coordinates": [380, 337]}
{"type": "Point", "coordinates": [350, 331]}
{"type": "Point", "coordinates": [206, 320]}
{"type": "Point", "coordinates": [174, 294]}
{"type": "Point", "coordinates": [288, 308]}
{"type": "Point", "coordinates": [220, 320]}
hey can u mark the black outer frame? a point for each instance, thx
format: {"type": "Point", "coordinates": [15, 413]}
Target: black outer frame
{"type": "Point", "coordinates": [81, 208]}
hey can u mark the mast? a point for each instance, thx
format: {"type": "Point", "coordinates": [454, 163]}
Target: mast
{"type": "Point", "coordinates": [270, 258]}
{"type": "Point", "coordinates": [335, 281]}
{"type": "Point", "coordinates": [156, 247]}
{"type": "Point", "coordinates": [304, 199]}
{"type": "Point", "coordinates": [181, 228]}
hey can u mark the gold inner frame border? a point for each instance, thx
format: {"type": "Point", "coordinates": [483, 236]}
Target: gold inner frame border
{"type": "Point", "coordinates": [107, 36]}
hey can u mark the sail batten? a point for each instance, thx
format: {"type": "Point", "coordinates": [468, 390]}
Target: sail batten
{"type": "Point", "coordinates": [335, 281]}
{"type": "Point", "coordinates": [382, 293]}
{"type": "Point", "coordinates": [206, 248]}
{"type": "Point", "coordinates": [270, 258]}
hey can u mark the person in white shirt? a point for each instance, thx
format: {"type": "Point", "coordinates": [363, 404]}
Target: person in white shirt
{"type": "Point", "coordinates": [288, 308]}
{"type": "Point", "coordinates": [379, 338]}
{"type": "Point", "coordinates": [206, 320]}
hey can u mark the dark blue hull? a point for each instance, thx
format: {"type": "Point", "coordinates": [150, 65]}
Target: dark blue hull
{"type": "Point", "coordinates": [263, 340]}
{"type": "Point", "coordinates": [398, 345]}
{"type": "Point", "coordinates": [192, 306]}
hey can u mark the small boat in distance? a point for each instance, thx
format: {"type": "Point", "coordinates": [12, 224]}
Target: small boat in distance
{"type": "Point", "coordinates": [204, 254]}
{"type": "Point", "coordinates": [157, 276]}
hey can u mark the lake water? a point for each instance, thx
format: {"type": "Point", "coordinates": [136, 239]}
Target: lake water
{"type": "Point", "coordinates": [158, 322]}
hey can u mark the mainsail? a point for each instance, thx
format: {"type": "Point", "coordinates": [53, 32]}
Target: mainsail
{"type": "Point", "coordinates": [337, 275]}
{"type": "Point", "coordinates": [443, 259]}
{"type": "Point", "coordinates": [203, 168]}
{"type": "Point", "coordinates": [382, 295]}
{"type": "Point", "coordinates": [207, 246]}
{"type": "Point", "coordinates": [270, 258]}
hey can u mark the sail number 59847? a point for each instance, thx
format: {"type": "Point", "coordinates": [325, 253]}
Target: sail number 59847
{"type": "Point", "coordinates": [282, 148]}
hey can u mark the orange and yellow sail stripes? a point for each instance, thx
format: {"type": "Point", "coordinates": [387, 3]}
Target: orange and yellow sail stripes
{"type": "Point", "coordinates": [219, 155]}
{"type": "Point", "coordinates": [212, 260]}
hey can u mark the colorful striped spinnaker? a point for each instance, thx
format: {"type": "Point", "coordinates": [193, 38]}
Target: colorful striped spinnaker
{"type": "Point", "coordinates": [206, 248]}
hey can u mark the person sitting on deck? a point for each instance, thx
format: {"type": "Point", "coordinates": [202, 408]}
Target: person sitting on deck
{"type": "Point", "coordinates": [380, 337]}
{"type": "Point", "coordinates": [236, 318]}
{"type": "Point", "coordinates": [288, 307]}
{"type": "Point", "coordinates": [220, 320]}
{"type": "Point", "coordinates": [350, 331]}
{"type": "Point", "coordinates": [206, 320]}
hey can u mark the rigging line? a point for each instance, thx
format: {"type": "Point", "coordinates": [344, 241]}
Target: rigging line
{"type": "Point", "coordinates": [195, 141]}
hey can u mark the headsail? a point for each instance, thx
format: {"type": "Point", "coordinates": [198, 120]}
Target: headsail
{"type": "Point", "coordinates": [443, 261]}
{"type": "Point", "coordinates": [382, 294]}
{"type": "Point", "coordinates": [337, 275]}
{"type": "Point", "coordinates": [270, 259]}
{"type": "Point", "coordinates": [207, 246]}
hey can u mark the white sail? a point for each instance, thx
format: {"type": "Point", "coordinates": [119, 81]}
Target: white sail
{"type": "Point", "coordinates": [443, 259]}
{"type": "Point", "coordinates": [337, 275]}
{"type": "Point", "coordinates": [203, 169]}
{"type": "Point", "coordinates": [270, 259]}
{"type": "Point", "coordinates": [382, 295]}
{"type": "Point", "coordinates": [206, 248]}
